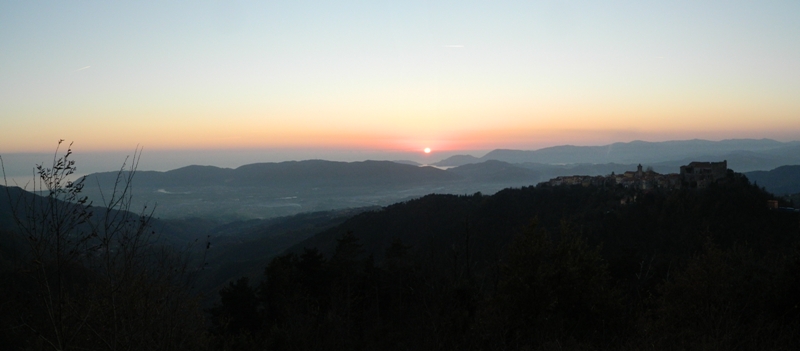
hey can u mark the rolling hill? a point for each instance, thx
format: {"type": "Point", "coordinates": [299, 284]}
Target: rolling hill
{"type": "Point", "coordinates": [780, 181]}
{"type": "Point", "coordinates": [742, 154]}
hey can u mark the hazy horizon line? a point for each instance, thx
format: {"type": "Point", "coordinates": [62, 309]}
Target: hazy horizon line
{"type": "Point", "coordinates": [20, 164]}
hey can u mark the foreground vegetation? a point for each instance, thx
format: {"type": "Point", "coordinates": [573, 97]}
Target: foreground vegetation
{"type": "Point", "coordinates": [688, 269]}
{"type": "Point", "coordinates": [78, 277]}
{"type": "Point", "coordinates": [531, 268]}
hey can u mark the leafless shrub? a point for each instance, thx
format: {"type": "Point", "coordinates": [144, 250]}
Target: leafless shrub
{"type": "Point", "coordinates": [103, 278]}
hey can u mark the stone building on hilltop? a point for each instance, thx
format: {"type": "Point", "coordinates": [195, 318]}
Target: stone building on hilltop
{"type": "Point", "coordinates": [702, 174]}
{"type": "Point", "coordinates": [693, 175]}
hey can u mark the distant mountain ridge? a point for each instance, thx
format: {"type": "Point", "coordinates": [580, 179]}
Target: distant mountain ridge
{"type": "Point", "coordinates": [15, 201]}
{"type": "Point", "coordinates": [493, 171]}
{"type": "Point", "coordinates": [780, 181]}
{"type": "Point", "coordinates": [742, 154]}
{"type": "Point", "coordinates": [309, 173]}
{"type": "Point", "coordinates": [458, 160]}
{"type": "Point", "coordinates": [266, 190]}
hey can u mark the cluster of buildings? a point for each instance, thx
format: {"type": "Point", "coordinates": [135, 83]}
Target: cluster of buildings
{"type": "Point", "coordinates": [693, 175]}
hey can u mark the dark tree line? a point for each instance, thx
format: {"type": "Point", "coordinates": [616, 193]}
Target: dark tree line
{"type": "Point", "coordinates": [683, 269]}
{"type": "Point", "coordinates": [556, 268]}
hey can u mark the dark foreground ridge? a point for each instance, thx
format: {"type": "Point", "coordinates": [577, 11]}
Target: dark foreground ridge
{"type": "Point", "coordinates": [567, 267]}
{"type": "Point", "coordinates": [711, 265]}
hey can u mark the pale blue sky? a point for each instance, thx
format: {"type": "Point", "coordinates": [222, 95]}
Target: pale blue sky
{"type": "Point", "coordinates": [395, 76]}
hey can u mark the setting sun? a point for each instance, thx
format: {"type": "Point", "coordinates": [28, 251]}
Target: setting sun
{"type": "Point", "coordinates": [427, 150]}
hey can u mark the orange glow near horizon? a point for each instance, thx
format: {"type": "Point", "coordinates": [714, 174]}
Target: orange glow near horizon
{"type": "Point", "coordinates": [526, 138]}
{"type": "Point", "coordinates": [482, 125]}
{"type": "Point", "coordinates": [513, 75]}
{"type": "Point", "coordinates": [463, 120]}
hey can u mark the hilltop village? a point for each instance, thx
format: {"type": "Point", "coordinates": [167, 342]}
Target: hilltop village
{"type": "Point", "coordinates": [694, 175]}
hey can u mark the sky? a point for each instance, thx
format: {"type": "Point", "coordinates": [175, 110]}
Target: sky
{"type": "Point", "coordinates": [357, 79]}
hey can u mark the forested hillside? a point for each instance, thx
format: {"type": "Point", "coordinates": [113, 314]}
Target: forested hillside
{"type": "Point", "coordinates": [548, 267]}
{"type": "Point", "coordinates": [781, 180]}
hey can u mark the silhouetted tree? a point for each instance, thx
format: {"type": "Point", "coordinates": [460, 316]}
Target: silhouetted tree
{"type": "Point", "coordinates": [97, 278]}
{"type": "Point", "coordinates": [238, 309]}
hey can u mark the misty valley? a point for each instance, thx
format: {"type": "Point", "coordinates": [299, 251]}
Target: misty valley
{"type": "Point", "coordinates": [267, 190]}
{"type": "Point", "coordinates": [624, 246]}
